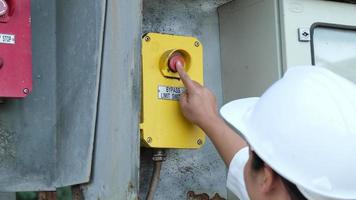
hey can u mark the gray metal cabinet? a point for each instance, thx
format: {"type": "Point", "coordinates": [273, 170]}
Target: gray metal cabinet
{"type": "Point", "coordinates": [261, 39]}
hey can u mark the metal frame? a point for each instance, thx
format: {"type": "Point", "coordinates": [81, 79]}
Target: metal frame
{"type": "Point", "coordinates": [326, 25]}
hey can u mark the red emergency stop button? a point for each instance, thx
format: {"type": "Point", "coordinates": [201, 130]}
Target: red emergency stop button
{"type": "Point", "coordinates": [3, 7]}
{"type": "Point", "coordinates": [174, 59]}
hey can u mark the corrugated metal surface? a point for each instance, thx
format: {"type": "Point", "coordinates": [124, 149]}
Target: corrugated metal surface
{"type": "Point", "coordinates": [116, 154]}
{"type": "Point", "coordinates": [7, 196]}
{"type": "Point", "coordinates": [80, 25]}
{"type": "Point", "coordinates": [47, 138]}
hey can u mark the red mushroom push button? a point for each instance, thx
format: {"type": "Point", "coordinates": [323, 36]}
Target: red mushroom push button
{"type": "Point", "coordinates": [173, 61]}
{"type": "Point", "coordinates": [3, 7]}
{"type": "Point", "coordinates": [172, 58]}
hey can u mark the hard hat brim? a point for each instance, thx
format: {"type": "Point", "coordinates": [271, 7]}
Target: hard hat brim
{"type": "Point", "coordinates": [236, 113]}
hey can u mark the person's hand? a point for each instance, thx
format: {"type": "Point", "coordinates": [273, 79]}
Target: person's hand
{"type": "Point", "coordinates": [198, 104]}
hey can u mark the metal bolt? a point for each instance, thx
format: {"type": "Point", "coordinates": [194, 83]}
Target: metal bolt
{"type": "Point", "coordinates": [199, 142]}
{"type": "Point", "coordinates": [190, 194]}
{"type": "Point", "coordinates": [77, 193]}
{"type": "Point", "coordinates": [149, 140]}
{"type": "Point", "coordinates": [196, 43]}
{"type": "Point", "coordinates": [147, 38]}
{"type": "Point", "coordinates": [26, 90]}
{"type": "Point", "coordinates": [159, 156]}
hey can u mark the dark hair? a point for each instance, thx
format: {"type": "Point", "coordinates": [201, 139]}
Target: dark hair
{"type": "Point", "coordinates": [294, 193]}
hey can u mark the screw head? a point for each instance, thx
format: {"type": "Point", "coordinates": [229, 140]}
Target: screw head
{"type": "Point", "coordinates": [26, 90]}
{"type": "Point", "coordinates": [147, 38]}
{"type": "Point", "coordinates": [199, 142]}
{"type": "Point", "coordinates": [149, 140]}
{"type": "Point", "coordinates": [196, 43]}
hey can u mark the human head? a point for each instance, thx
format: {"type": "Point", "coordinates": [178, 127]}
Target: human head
{"type": "Point", "coordinates": [264, 183]}
{"type": "Point", "coordinates": [303, 128]}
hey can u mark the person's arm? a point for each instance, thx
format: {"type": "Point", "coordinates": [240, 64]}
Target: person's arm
{"type": "Point", "coordinates": [198, 105]}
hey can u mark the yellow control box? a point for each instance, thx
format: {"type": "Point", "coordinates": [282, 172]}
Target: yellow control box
{"type": "Point", "coordinates": [162, 123]}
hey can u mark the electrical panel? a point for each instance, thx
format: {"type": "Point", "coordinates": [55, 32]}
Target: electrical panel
{"type": "Point", "coordinates": [162, 123]}
{"type": "Point", "coordinates": [15, 48]}
{"type": "Point", "coordinates": [262, 39]}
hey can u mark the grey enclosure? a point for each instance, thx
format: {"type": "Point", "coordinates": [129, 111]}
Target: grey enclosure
{"type": "Point", "coordinates": [250, 51]}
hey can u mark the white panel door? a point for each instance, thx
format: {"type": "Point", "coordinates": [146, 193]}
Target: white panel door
{"type": "Point", "coordinates": [334, 47]}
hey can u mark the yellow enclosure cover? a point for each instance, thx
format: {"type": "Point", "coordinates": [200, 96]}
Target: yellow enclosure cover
{"type": "Point", "coordinates": [162, 123]}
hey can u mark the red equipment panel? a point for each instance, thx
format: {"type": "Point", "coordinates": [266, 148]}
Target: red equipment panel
{"type": "Point", "coordinates": [15, 48]}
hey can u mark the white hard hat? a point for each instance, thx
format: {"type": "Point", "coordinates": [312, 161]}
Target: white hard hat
{"type": "Point", "coordinates": [304, 127]}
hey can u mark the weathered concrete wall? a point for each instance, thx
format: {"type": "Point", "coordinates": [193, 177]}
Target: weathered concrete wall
{"type": "Point", "coordinates": [197, 170]}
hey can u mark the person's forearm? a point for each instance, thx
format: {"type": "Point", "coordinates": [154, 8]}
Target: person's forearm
{"type": "Point", "coordinates": [225, 140]}
{"type": "Point", "coordinates": [198, 105]}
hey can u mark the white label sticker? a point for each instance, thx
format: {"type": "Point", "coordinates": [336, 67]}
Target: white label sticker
{"type": "Point", "coordinates": [170, 93]}
{"type": "Point", "coordinates": [7, 39]}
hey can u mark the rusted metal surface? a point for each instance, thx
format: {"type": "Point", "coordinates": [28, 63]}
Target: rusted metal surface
{"type": "Point", "coordinates": [47, 196]}
{"type": "Point", "coordinates": [192, 196]}
{"type": "Point", "coordinates": [77, 193]}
